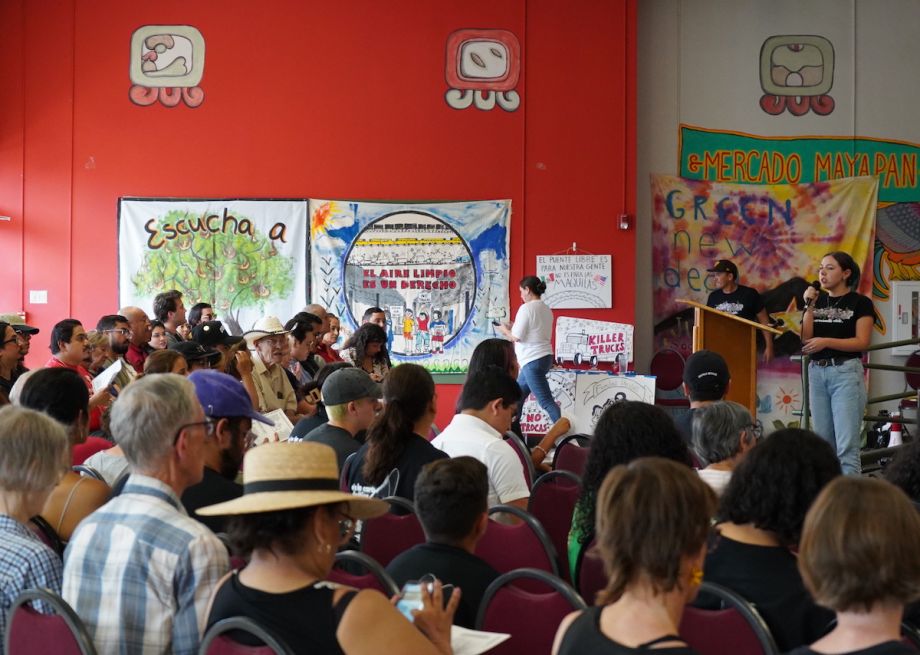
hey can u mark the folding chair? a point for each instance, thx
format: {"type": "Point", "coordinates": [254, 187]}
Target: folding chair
{"type": "Point", "coordinates": [88, 471]}
{"type": "Point", "coordinates": [590, 577]}
{"type": "Point", "coordinates": [552, 503]}
{"type": "Point", "coordinates": [572, 454]}
{"type": "Point", "coordinates": [48, 535]}
{"type": "Point", "coordinates": [530, 617]}
{"type": "Point", "coordinates": [385, 537]}
{"type": "Point", "coordinates": [29, 632]}
{"type": "Point", "coordinates": [375, 578]}
{"type": "Point", "coordinates": [510, 547]}
{"type": "Point", "coordinates": [737, 628]}
{"type": "Point", "coordinates": [523, 453]}
{"type": "Point", "coordinates": [217, 640]}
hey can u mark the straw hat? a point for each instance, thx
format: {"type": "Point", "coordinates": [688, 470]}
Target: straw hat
{"type": "Point", "coordinates": [289, 475]}
{"type": "Point", "coordinates": [265, 327]}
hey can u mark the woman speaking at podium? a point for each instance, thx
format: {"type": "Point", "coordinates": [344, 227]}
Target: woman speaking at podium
{"type": "Point", "coordinates": [836, 328]}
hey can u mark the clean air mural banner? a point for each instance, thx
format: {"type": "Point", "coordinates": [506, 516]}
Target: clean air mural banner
{"type": "Point", "coordinates": [248, 258]}
{"type": "Point", "coordinates": [776, 235]}
{"type": "Point", "coordinates": [438, 270]}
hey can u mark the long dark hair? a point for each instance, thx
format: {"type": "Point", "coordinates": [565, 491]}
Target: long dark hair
{"type": "Point", "coordinates": [407, 394]}
{"type": "Point", "coordinates": [625, 431]}
{"type": "Point", "coordinates": [847, 263]}
{"type": "Point", "coordinates": [368, 333]}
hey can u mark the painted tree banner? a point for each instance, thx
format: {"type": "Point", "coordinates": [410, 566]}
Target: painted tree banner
{"type": "Point", "coordinates": [248, 258]}
{"type": "Point", "coordinates": [438, 270]}
{"type": "Point", "coordinates": [776, 235]}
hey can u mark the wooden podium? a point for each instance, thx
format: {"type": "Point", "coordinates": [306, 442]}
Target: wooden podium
{"type": "Point", "coordinates": [736, 340]}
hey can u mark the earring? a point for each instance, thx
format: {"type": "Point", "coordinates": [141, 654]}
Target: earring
{"type": "Point", "coordinates": [696, 576]}
{"type": "Point", "coordinates": [327, 548]}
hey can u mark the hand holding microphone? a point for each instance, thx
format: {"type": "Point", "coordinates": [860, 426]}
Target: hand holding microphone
{"type": "Point", "coordinates": [811, 294]}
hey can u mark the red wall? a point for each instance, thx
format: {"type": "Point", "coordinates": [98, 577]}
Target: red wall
{"type": "Point", "coordinates": [311, 99]}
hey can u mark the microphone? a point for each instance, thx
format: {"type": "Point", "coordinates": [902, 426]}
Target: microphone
{"type": "Point", "coordinates": [817, 287]}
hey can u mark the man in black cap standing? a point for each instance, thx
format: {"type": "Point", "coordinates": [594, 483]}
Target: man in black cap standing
{"type": "Point", "coordinates": [737, 299]}
{"type": "Point", "coordinates": [706, 381]}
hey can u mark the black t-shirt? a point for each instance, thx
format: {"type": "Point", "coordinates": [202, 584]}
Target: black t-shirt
{"type": "Point", "coordinates": [340, 439]}
{"type": "Point", "coordinates": [767, 576]}
{"type": "Point", "coordinates": [400, 481]}
{"type": "Point", "coordinates": [584, 636]}
{"type": "Point", "coordinates": [213, 488]}
{"type": "Point", "coordinates": [684, 423]}
{"type": "Point", "coordinates": [304, 619]}
{"type": "Point", "coordinates": [836, 318]}
{"type": "Point", "coordinates": [307, 424]}
{"type": "Point", "coordinates": [886, 648]}
{"type": "Point", "coordinates": [743, 301]}
{"type": "Point", "coordinates": [450, 565]}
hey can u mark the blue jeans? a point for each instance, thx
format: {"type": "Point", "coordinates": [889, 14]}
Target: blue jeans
{"type": "Point", "coordinates": [533, 378]}
{"type": "Point", "coordinates": [837, 400]}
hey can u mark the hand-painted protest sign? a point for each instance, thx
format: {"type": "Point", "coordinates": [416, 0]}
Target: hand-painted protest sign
{"type": "Point", "coordinates": [247, 258]}
{"type": "Point", "coordinates": [582, 340]}
{"type": "Point", "coordinates": [583, 396]}
{"type": "Point", "coordinates": [439, 270]}
{"type": "Point", "coordinates": [576, 281]}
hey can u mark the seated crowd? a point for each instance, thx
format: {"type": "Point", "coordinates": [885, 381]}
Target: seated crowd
{"type": "Point", "coordinates": [133, 485]}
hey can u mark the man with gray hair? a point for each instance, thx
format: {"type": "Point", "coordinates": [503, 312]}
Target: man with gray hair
{"type": "Point", "coordinates": [723, 433]}
{"type": "Point", "coordinates": [139, 571]}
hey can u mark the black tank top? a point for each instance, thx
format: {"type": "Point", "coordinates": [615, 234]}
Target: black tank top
{"type": "Point", "coordinates": [304, 619]}
{"type": "Point", "coordinates": [584, 636]}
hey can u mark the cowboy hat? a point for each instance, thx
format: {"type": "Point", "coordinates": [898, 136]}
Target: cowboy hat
{"type": "Point", "coordinates": [286, 475]}
{"type": "Point", "coordinates": [265, 327]}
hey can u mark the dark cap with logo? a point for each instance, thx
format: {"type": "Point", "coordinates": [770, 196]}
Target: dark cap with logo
{"type": "Point", "coordinates": [194, 351]}
{"type": "Point", "coordinates": [724, 266]}
{"type": "Point", "coordinates": [212, 333]}
{"type": "Point", "coordinates": [706, 372]}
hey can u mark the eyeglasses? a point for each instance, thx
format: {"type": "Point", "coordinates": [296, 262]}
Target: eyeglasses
{"type": "Point", "coordinates": [15, 340]}
{"type": "Point", "coordinates": [207, 423]}
{"type": "Point", "coordinates": [122, 331]}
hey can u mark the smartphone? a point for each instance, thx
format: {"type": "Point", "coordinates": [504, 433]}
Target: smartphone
{"type": "Point", "coordinates": [410, 597]}
{"type": "Point", "coordinates": [496, 323]}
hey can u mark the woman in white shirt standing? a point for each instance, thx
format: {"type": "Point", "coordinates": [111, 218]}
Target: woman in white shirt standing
{"type": "Point", "coordinates": [532, 334]}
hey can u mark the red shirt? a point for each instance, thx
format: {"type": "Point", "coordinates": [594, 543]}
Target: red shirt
{"type": "Point", "coordinates": [328, 354]}
{"type": "Point", "coordinates": [136, 356]}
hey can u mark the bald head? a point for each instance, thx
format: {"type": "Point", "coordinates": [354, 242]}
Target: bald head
{"type": "Point", "coordinates": [320, 311]}
{"type": "Point", "coordinates": [139, 323]}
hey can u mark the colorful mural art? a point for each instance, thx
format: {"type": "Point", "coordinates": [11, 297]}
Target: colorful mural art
{"type": "Point", "coordinates": [439, 271]}
{"type": "Point", "coordinates": [483, 67]}
{"type": "Point", "coordinates": [167, 64]}
{"type": "Point", "coordinates": [796, 75]}
{"type": "Point", "coordinates": [246, 257]}
{"type": "Point", "coordinates": [776, 235]}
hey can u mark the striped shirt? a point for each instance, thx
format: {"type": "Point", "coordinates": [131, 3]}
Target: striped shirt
{"type": "Point", "coordinates": [140, 572]}
{"type": "Point", "coordinates": [25, 563]}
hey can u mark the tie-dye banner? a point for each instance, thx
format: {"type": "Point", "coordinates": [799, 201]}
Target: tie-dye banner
{"type": "Point", "coordinates": [776, 235]}
{"type": "Point", "coordinates": [438, 270]}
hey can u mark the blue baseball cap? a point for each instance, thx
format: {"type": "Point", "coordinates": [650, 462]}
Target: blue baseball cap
{"type": "Point", "coordinates": [223, 396]}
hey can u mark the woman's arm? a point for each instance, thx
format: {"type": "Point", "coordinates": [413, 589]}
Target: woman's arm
{"type": "Point", "coordinates": [853, 344]}
{"type": "Point", "coordinates": [563, 628]}
{"type": "Point", "coordinates": [372, 625]}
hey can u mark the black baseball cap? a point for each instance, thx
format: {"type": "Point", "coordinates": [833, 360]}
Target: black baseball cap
{"type": "Point", "coordinates": [194, 351]}
{"type": "Point", "coordinates": [22, 328]}
{"type": "Point", "coordinates": [724, 266]}
{"type": "Point", "coordinates": [706, 372]}
{"type": "Point", "coordinates": [349, 384]}
{"type": "Point", "coordinates": [212, 333]}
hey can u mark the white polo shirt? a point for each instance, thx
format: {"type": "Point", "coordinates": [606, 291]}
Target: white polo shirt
{"type": "Point", "coordinates": [469, 435]}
